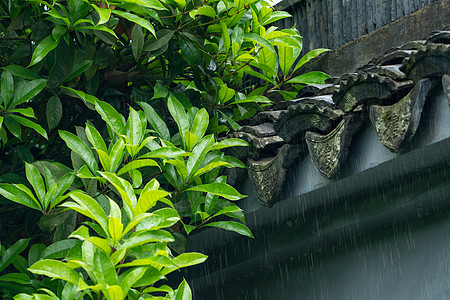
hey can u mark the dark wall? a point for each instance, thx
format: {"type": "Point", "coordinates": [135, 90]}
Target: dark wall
{"type": "Point", "coordinates": [333, 23]}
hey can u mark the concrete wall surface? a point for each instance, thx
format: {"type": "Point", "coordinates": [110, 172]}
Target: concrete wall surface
{"type": "Point", "coordinates": [333, 23]}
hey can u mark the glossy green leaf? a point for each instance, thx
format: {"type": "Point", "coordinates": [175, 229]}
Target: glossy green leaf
{"type": "Point", "coordinates": [42, 49]}
{"type": "Point", "coordinates": [225, 37]}
{"type": "Point", "coordinates": [89, 100]}
{"type": "Point", "coordinates": [259, 40]}
{"type": "Point", "coordinates": [155, 4]}
{"type": "Point", "coordinates": [286, 58]}
{"type": "Point", "coordinates": [80, 148]}
{"type": "Point", "coordinates": [16, 277]}
{"type": "Point", "coordinates": [210, 167]}
{"type": "Point", "coordinates": [36, 181]}
{"type": "Point", "coordinates": [116, 154]}
{"type": "Point", "coordinates": [21, 72]}
{"type": "Point", "coordinates": [308, 56]}
{"type": "Point", "coordinates": [166, 152]}
{"type": "Point", "coordinates": [26, 90]}
{"type": "Point", "coordinates": [155, 121]}
{"type": "Point", "coordinates": [130, 278]}
{"type": "Point", "coordinates": [103, 13]}
{"type": "Point", "coordinates": [87, 206]}
{"type": "Point", "coordinates": [190, 52]}
{"type": "Point", "coordinates": [314, 77]}
{"type": "Point", "coordinates": [136, 164]}
{"type": "Point", "coordinates": [95, 138]}
{"type": "Point", "coordinates": [146, 237]}
{"type": "Point", "coordinates": [27, 112]}
{"type": "Point", "coordinates": [7, 87]}
{"type": "Point", "coordinates": [111, 117]}
{"type": "Point", "coordinates": [232, 226]}
{"type": "Point", "coordinates": [178, 113]}
{"type": "Point", "coordinates": [137, 42]}
{"type": "Point", "coordinates": [58, 270]}
{"type": "Point", "coordinates": [163, 37]}
{"type": "Point", "coordinates": [221, 189]}
{"type": "Point", "coordinates": [135, 19]}
{"type": "Point", "coordinates": [206, 11]}
{"type": "Point", "coordinates": [115, 292]}
{"type": "Point", "coordinates": [124, 188]}
{"type": "Point", "coordinates": [275, 16]}
{"type": "Point", "coordinates": [59, 249]}
{"type": "Point", "coordinates": [30, 124]}
{"type": "Point", "coordinates": [53, 112]}
{"type": "Point", "coordinates": [200, 124]}
{"type": "Point", "coordinates": [184, 291]}
{"type": "Point", "coordinates": [147, 200]}
{"type": "Point", "coordinates": [19, 194]}
{"type": "Point", "coordinates": [12, 252]}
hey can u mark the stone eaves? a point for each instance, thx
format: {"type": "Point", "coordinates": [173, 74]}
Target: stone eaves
{"type": "Point", "coordinates": [389, 93]}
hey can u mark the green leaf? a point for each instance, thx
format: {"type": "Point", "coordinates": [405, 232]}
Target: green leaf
{"type": "Point", "coordinates": [206, 11]}
{"type": "Point", "coordinates": [130, 278]}
{"type": "Point", "coordinates": [87, 206]}
{"type": "Point", "coordinates": [225, 37]}
{"type": "Point", "coordinates": [237, 39]}
{"type": "Point", "coordinates": [53, 112]}
{"type": "Point", "coordinates": [259, 40]}
{"type": "Point", "coordinates": [286, 58]}
{"type": "Point", "coordinates": [155, 121]}
{"type": "Point", "coordinates": [21, 72]}
{"type": "Point", "coordinates": [79, 147]}
{"type": "Point", "coordinates": [26, 90]}
{"type": "Point", "coordinates": [116, 154]}
{"type": "Point", "coordinates": [12, 252]}
{"type": "Point", "coordinates": [36, 181]}
{"type": "Point", "coordinates": [42, 49]}
{"type": "Point", "coordinates": [27, 112]}
{"type": "Point", "coordinates": [30, 124]}
{"type": "Point", "coordinates": [184, 291]}
{"type": "Point", "coordinates": [253, 99]}
{"type": "Point", "coordinates": [275, 16]}
{"type": "Point", "coordinates": [19, 194]}
{"type": "Point", "coordinates": [103, 13]}
{"type": "Point", "coordinates": [221, 189]}
{"type": "Point", "coordinates": [58, 270]}
{"type": "Point", "coordinates": [111, 117]}
{"type": "Point", "coordinates": [165, 152]}
{"type": "Point", "coordinates": [104, 269]}
{"type": "Point", "coordinates": [136, 164]}
{"type": "Point", "coordinates": [59, 249]}
{"type": "Point", "coordinates": [115, 292]}
{"type": "Point", "coordinates": [7, 87]}
{"type": "Point", "coordinates": [163, 37]}
{"type": "Point", "coordinates": [146, 237]}
{"type": "Point", "coordinates": [314, 77]}
{"type": "Point", "coordinates": [95, 138]}
{"type": "Point", "coordinates": [200, 124]}
{"type": "Point", "coordinates": [16, 277]}
{"type": "Point", "coordinates": [190, 52]}
{"type": "Point", "coordinates": [178, 113]}
{"type": "Point", "coordinates": [232, 226]}
{"type": "Point", "coordinates": [211, 166]}
{"type": "Point", "coordinates": [147, 200]}
{"type": "Point", "coordinates": [137, 42]}
{"type": "Point", "coordinates": [124, 188]}
{"type": "Point", "coordinates": [155, 4]}
{"type": "Point", "coordinates": [226, 94]}
{"type": "Point", "coordinates": [88, 100]}
{"type": "Point", "coordinates": [135, 19]}
{"type": "Point", "coordinates": [308, 56]}
{"type": "Point", "coordinates": [151, 276]}
{"type": "Point", "coordinates": [199, 151]}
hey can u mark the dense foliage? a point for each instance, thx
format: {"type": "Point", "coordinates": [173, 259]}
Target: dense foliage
{"type": "Point", "coordinates": [110, 114]}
